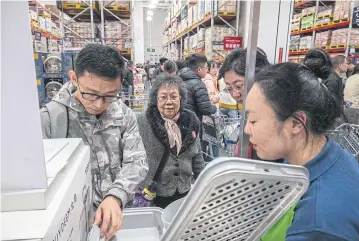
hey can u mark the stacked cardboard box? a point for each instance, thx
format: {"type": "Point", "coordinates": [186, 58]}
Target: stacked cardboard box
{"type": "Point", "coordinates": [322, 39]}
{"type": "Point", "coordinates": [305, 42]}
{"type": "Point", "coordinates": [201, 9]}
{"type": "Point", "coordinates": [195, 14]}
{"type": "Point", "coordinates": [214, 50]}
{"type": "Point", "coordinates": [341, 9]}
{"type": "Point", "coordinates": [354, 36]}
{"type": "Point", "coordinates": [190, 16]}
{"type": "Point", "coordinates": [339, 37]}
{"type": "Point", "coordinates": [324, 11]}
{"type": "Point", "coordinates": [308, 11]}
{"type": "Point", "coordinates": [117, 3]}
{"type": "Point", "coordinates": [227, 6]}
{"type": "Point", "coordinates": [307, 22]}
{"type": "Point", "coordinates": [208, 7]}
{"type": "Point", "coordinates": [295, 26]}
{"type": "Point", "coordinates": [294, 42]}
{"type": "Point", "coordinates": [296, 18]}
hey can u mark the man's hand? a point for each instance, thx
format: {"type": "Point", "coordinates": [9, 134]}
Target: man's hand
{"type": "Point", "coordinates": [109, 212]}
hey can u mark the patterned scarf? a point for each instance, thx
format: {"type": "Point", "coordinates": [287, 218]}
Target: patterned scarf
{"type": "Point", "coordinates": [173, 132]}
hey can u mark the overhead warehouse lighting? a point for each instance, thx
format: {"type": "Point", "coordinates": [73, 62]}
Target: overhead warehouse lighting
{"type": "Point", "coordinates": [152, 6]}
{"type": "Point", "coordinates": [149, 12]}
{"type": "Point", "coordinates": [149, 18]}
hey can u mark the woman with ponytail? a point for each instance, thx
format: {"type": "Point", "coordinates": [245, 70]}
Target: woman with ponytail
{"type": "Point", "coordinates": [289, 112]}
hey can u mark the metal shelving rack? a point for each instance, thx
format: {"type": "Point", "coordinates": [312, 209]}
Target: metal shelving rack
{"type": "Point", "coordinates": [333, 25]}
{"type": "Point", "coordinates": [95, 12]}
{"type": "Point", "coordinates": [210, 20]}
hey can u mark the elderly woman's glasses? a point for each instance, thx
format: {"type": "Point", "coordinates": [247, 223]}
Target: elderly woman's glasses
{"type": "Point", "coordinates": [95, 97]}
{"type": "Point", "coordinates": [236, 88]}
{"type": "Point", "coordinates": [165, 98]}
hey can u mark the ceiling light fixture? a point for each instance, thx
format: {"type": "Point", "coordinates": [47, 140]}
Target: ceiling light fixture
{"type": "Point", "coordinates": [149, 12]}
{"type": "Point", "coordinates": [149, 18]}
{"type": "Point", "coordinates": [152, 6]}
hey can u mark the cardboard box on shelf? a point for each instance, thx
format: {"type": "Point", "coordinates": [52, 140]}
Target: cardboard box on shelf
{"type": "Point", "coordinates": [296, 17]}
{"type": "Point", "coordinates": [308, 11]}
{"type": "Point", "coordinates": [323, 39]}
{"type": "Point", "coordinates": [227, 6]}
{"type": "Point", "coordinates": [339, 37]}
{"type": "Point", "coordinates": [195, 13]}
{"type": "Point", "coordinates": [325, 11]}
{"type": "Point", "coordinates": [294, 42]}
{"type": "Point", "coordinates": [190, 16]}
{"type": "Point", "coordinates": [42, 23]}
{"type": "Point", "coordinates": [341, 9]}
{"type": "Point", "coordinates": [295, 26]}
{"type": "Point", "coordinates": [305, 42]}
{"type": "Point", "coordinates": [208, 7]}
{"type": "Point", "coordinates": [307, 22]}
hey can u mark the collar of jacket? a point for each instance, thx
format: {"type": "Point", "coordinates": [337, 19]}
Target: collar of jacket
{"type": "Point", "coordinates": [188, 123]}
{"type": "Point", "coordinates": [188, 74]}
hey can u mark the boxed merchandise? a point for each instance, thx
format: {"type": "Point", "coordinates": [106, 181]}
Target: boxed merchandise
{"type": "Point", "coordinates": [296, 18]}
{"type": "Point", "coordinates": [42, 23]}
{"type": "Point", "coordinates": [201, 9]}
{"type": "Point", "coordinates": [341, 10]}
{"type": "Point", "coordinates": [226, 6]}
{"type": "Point", "coordinates": [113, 30]}
{"type": "Point", "coordinates": [322, 39]}
{"type": "Point", "coordinates": [124, 5]}
{"type": "Point", "coordinates": [322, 21]}
{"type": "Point", "coordinates": [294, 42]}
{"type": "Point", "coordinates": [354, 36]}
{"type": "Point", "coordinates": [208, 7]}
{"type": "Point", "coordinates": [214, 42]}
{"type": "Point", "coordinates": [305, 42]}
{"type": "Point", "coordinates": [201, 34]}
{"type": "Point", "coordinates": [190, 16]}
{"type": "Point", "coordinates": [339, 37]}
{"type": "Point", "coordinates": [325, 11]}
{"type": "Point", "coordinates": [33, 15]}
{"type": "Point", "coordinates": [295, 26]}
{"type": "Point", "coordinates": [48, 25]}
{"type": "Point", "coordinates": [195, 14]}
{"type": "Point", "coordinates": [307, 22]}
{"type": "Point", "coordinates": [308, 11]}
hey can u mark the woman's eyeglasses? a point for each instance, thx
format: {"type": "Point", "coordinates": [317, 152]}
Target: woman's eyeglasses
{"type": "Point", "coordinates": [236, 88]}
{"type": "Point", "coordinates": [164, 98]}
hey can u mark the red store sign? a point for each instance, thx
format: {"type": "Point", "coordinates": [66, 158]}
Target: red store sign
{"type": "Point", "coordinates": [232, 42]}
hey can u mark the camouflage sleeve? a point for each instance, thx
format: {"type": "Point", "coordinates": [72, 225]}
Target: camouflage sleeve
{"type": "Point", "coordinates": [134, 165]}
{"type": "Point", "coordinates": [45, 123]}
{"type": "Point", "coordinates": [198, 163]}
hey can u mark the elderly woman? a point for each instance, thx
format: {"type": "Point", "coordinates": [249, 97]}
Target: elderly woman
{"type": "Point", "coordinates": [167, 125]}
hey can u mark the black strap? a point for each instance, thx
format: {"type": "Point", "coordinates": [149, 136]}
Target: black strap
{"type": "Point", "coordinates": [162, 165]}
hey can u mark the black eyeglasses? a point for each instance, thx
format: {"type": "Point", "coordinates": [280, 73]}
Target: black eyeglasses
{"type": "Point", "coordinates": [95, 97]}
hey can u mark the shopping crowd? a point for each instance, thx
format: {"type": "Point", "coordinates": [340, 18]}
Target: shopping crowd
{"type": "Point", "coordinates": [290, 108]}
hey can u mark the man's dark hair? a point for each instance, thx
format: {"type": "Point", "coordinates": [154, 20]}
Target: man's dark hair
{"type": "Point", "coordinates": [356, 69]}
{"type": "Point", "coordinates": [338, 60]}
{"type": "Point", "coordinates": [163, 60]}
{"type": "Point", "coordinates": [236, 61]}
{"type": "Point", "coordinates": [195, 60]}
{"type": "Point", "coordinates": [170, 67]}
{"type": "Point", "coordinates": [100, 60]}
{"type": "Point", "coordinates": [180, 64]}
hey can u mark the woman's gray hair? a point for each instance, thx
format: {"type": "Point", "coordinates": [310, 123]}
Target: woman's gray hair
{"type": "Point", "coordinates": [165, 79]}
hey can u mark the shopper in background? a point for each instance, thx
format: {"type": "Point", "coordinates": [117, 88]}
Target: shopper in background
{"type": "Point", "coordinates": [127, 80]}
{"type": "Point", "coordinates": [233, 70]}
{"type": "Point", "coordinates": [159, 69]}
{"type": "Point", "coordinates": [227, 105]}
{"type": "Point", "coordinates": [351, 67]}
{"type": "Point", "coordinates": [333, 82]}
{"type": "Point", "coordinates": [340, 67]}
{"type": "Point", "coordinates": [180, 64]}
{"type": "Point", "coordinates": [170, 67]}
{"type": "Point", "coordinates": [90, 108]}
{"type": "Point", "coordinates": [289, 112]}
{"type": "Point", "coordinates": [351, 90]}
{"type": "Point", "coordinates": [197, 94]}
{"type": "Point", "coordinates": [211, 82]}
{"type": "Point", "coordinates": [167, 125]}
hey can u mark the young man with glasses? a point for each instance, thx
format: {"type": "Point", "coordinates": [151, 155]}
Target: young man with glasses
{"type": "Point", "coordinates": [90, 108]}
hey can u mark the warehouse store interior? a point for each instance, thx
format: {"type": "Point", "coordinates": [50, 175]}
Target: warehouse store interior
{"type": "Point", "coordinates": [179, 120]}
